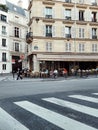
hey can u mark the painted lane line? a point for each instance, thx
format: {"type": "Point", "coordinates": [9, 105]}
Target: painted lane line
{"type": "Point", "coordinates": [53, 117]}
{"type": "Point", "coordinates": [86, 98]}
{"type": "Point", "coordinates": [74, 106]}
{"type": "Point", "coordinates": [7, 122]}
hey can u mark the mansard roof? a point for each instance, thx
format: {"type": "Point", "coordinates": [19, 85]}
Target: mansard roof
{"type": "Point", "coordinates": [15, 8]}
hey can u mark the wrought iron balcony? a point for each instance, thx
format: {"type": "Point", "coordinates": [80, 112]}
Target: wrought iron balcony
{"type": "Point", "coordinates": [48, 34]}
{"type": "Point", "coordinates": [29, 37]}
{"type": "Point", "coordinates": [48, 16]}
{"type": "Point", "coordinates": [68, 35]}
{"type": "Point", "coordinates": [94, 37]}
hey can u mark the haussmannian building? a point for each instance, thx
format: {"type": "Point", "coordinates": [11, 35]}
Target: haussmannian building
{"type": "Point", "coordinates": [62, 34]}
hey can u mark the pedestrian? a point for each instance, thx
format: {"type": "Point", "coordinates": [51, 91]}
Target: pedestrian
{"type": "Point", "coordinates": [13, 73]}
{"type": "Point", "coordinates": [19, 74]}
{"type": "Point", "coordinates": [55, 73]}
{"type": "Point", "coordinates": [65, 73]}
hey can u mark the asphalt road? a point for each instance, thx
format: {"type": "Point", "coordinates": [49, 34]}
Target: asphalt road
{"type": "Point", "coordinates": [49, 105]}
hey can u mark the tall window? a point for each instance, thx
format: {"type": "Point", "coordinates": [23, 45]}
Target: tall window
{"type": "Point", "coordinates": [49, 30]}
{"type": "Point", "coordinates": [16, 32]}
{"type": "Point", "coordinates": [3, 56]}
{"type": "Point", "coordinates": [68, 14]}
{"type": "Point", "coordinates": [68, 47]}
{"type": "Point", "coordinates": [81, 15]}
{"type": "Point", "coordinates": [94, 47]}
{"type": "Point", "coordinates": [3, 42]}
{"type": "Point", "coordinates": [48, 12]}
{"type": "Point", "coordinates": [4, 30]}
{"type": "Point", "coordinates": [16, 46]}
{"type": "Point", "coordinates": [3, 66]}
{"type": "Point", "coordinates": [68, 32]}
{"type": "Point", "coordinates": [94, 32]}
{"type": "Point", "coordinates": [81, 47]}
{"type": "Point", "coordinates": [93, 2]}
{"type": "Point", "coordinates": [94, 17]}
{"type": "Point", "coordinates": [49, 46]}
{"type": "Point", "coordinates": [81, 32]}
{"type": "Point", "coordinates": [3, 18]}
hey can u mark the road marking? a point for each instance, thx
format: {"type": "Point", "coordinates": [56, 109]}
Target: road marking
{"type": "Point", "coordinates": [95, 93]}
{"type": "Point", "coordinates": [53, 117]}
{"type": "Point", "coordinates": [7, 122]}
{"type": "Point", "coordinates": [74, 106]}
{"type": "Point", "coordinates": [86, 98]}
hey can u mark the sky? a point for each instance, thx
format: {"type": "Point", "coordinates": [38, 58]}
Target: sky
{"type": "Point", "coordinates": [25, 3]}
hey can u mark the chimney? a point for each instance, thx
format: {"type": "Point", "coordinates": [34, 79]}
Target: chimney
{"type": "Point", "coordinates": [20, 3]}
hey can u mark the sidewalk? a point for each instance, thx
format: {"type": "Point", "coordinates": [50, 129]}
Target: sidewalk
{"type": "Point", "coordinates": [10, 78]}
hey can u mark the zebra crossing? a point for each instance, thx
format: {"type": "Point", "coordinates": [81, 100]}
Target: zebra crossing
{"type": "Point", "coordinates": [60, 121]}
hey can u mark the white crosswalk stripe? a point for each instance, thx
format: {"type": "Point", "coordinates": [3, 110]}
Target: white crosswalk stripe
{"type": "Point", "coordinates": [95, 93]}
{"type": "Point", "coordinates": [75, 106]}
{"type": "Point", "coordinates": [7, 122]}
{"type": "Point", "coordinates": [53, 117]}
{"type": "Point", "coordinates": [86, 98]}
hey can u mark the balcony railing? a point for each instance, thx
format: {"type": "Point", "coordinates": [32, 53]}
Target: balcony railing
{"type": "Point", "coordinates": [94, 4]}
{"type": "Point", "coordinates": [68, 1]}
{"type": "Point", "coordinates": [68, 35]}
{"type": "Point", "coordinates": [67, 17]}
{"type": "Point", "coordinates": [94, 37]}
{"type": "Point", "coordinates": [48, 16]}
{"type": "Point", "coordinates": [48, 34]}
{"type": "Point", "coordinates": [94, 20]}
{"type": "Point", "coordinates": [29, 37]}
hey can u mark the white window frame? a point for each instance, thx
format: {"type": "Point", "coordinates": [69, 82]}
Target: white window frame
{"type": "Point", "coordinates": [48, 46]}
{"type": "Point", "coordinates": [81, 32]}
{"type": "Point", "coordinates": [94, 47]}
{"type": "Point", "coordinates": [68, 47]}
{"type": "Point", "coordinates": [81, 47]}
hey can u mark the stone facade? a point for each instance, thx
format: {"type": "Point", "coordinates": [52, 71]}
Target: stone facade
{"type": "Point", "coordinates": [62, 29]}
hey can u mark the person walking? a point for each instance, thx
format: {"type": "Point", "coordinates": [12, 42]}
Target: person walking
{"type": "Point", "coordinates": [19, 74]}
{"type": "Point", "coordinates": [13, 73]}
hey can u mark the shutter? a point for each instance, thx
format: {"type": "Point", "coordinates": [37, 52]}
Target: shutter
{"type": "Point", "coordinates": [43, 30]}
{"type": "Point", "coordinates": [63, 13]}
{"type": "Point", "coordinates": [63, 31]}
{"type": "Point", "coordinates": [73, 32]}
{"type": "Point", "coordinates": [90, 33]}
{"type": "Point", "coordinates": [20, 47]}
{"type": "Point", "coordinates": [44, 12]}
{"type": "Point", "coordinates": [53, 31]}
{"type": "Point", "coordinates": [53, 13]}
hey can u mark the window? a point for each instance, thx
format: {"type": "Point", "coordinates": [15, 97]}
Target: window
{"type": "Point", "coordinates": [16, 31]}
{"type": "Point", "coordinates": [68, 47]}
{"type": "Point", "coordinates": [3, 66]}
{"type": "Point", "coordinates": [3, 57]}
{"type": "Point", "coordinates": [94, 47]}
{"type": "Point", "coordinates": [16, 46]}
{"type": "Point", "coordinates": [49, 46]}
{"type": "Point", "coordinates": [81, 47]}
{"type": "Point", "coordinates": [3, 18]}
{"type": "Point", "coordinates": [81, 1]}
{"type": "Point", "coordinates": [94, 17]}
{"type": "Point", "coordinates": [81, 15]}
{"type": "Point", "coordinates": [81, 32]}
{"type": "Point", "coordinates": [3, 42]}
{"type": "Point", "coordinates": [68, 32]}
{"type": "Point", "coordinates": [94, 30]}
{"type": "Point", "coordinates": [94, 2]}
{"type": "Point", "coordinates": [68, 14]}
{"type": "Point", "coordinates": [4, 30]}
{"type": "Point", "coordinates": [48, 30]}
{"type": "Point", "coordinates": [48, 12]}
